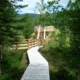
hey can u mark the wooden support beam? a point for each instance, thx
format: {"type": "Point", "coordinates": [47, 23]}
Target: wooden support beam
{"type": "Point", "coordinates": [38, 32]}
{"type": "Point", "coordinates": [28, 44]}
{"type": "Point", "coordinates": [44, 33]}
{"type": "Point", "coordinates": [16, 48]}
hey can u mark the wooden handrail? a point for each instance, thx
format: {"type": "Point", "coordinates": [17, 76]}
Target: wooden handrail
{"type": "Point", "coordinates": [32, 42]}
{"type": "Point", "coordinates": [29, 44]}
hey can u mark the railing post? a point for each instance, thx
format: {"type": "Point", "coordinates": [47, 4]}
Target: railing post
{"type": "Point", "coordinates": [16, 48]}
{"type": "Point", "coordinates": [32, 43]}
{"type": "Point", "coordinates": [28, 44]}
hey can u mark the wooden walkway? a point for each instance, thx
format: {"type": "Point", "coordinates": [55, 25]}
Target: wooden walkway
{"type": "Point", "coordinates": [38, 68]}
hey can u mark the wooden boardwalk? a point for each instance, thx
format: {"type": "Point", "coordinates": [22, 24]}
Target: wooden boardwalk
{"type": "Point", "coordinates": [38, 68]}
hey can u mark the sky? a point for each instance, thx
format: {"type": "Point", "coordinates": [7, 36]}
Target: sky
{"type": "Point", "coordinates": [32, 4]}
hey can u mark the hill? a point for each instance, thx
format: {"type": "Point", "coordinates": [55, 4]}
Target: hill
{"type": "Point", "coordinates": [32, 15]}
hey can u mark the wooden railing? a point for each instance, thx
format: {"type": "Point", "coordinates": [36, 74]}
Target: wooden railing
{"type": "Point", "coordinates": [29, 44]}
{"type": "Point", "coordinates": [32, 43]}
{"type": "Point", "coordinates": [35, 42]}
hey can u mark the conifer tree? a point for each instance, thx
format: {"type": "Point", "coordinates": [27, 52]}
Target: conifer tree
{"type": "Point", "coordinates": [8, 29]}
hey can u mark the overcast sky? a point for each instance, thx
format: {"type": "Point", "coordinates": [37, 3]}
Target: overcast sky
{"type": "Point", "coordinates": [32, 4]}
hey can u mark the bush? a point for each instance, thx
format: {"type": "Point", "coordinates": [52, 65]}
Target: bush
{"type": "Point", "coordinates": [65, 74]}
{"type": "Point", "coordinates": [10, 66]}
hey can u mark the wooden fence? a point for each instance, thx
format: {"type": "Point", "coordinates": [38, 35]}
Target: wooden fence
{"type": "Point", "coordinates": [32, 43]}
{"type": "Point", "coordinates": [29, 44]}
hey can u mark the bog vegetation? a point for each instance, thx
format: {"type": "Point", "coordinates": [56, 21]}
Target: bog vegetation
{"type": "Point", "coordinates": [62, 49]}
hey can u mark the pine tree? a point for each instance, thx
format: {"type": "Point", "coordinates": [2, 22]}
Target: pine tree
{"type": "Point", "coordinates": [8, 29]}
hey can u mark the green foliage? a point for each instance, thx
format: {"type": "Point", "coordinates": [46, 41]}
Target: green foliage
{"type": "Point", "coordinates": [65, 43]}
{"type": "Point", "coordinates": [7, 16]}
{"type": "Point", "coordinates": [9, 24]}
{"type": "Point", "coordinates": [41, 7]}
{"type": "Point", "coordinates": [73, 53]}
{"type": "Point", "coordinates": [44, 18]}
{"type": "Point", "coordinates": [9, 27]}
{"type": "Point", "coordinates": [27, 26]}
{"type": "Point", "coordinates": [64, 74]}
{"type": "Point", "coordinates": [11, 66]}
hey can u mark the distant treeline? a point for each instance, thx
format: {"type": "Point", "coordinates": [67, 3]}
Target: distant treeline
{"type": "Point", "coordinates": [31, 15]}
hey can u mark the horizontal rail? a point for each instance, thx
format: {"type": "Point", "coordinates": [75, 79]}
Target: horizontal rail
{"type": "Point", "coordinates": [29, 44]}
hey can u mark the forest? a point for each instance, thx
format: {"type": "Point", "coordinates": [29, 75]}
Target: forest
{"type": "Point", "coordinates": [62, 48]}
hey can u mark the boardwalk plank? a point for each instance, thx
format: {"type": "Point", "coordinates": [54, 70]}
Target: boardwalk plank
{"type": "Point", "coordinates": [38, 68]}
